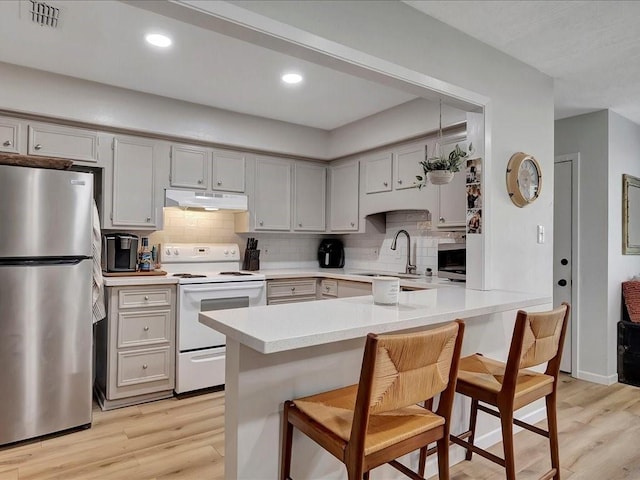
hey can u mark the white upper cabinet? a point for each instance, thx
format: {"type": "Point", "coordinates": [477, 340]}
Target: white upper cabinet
{"type": "Point", "coordinates": [64, 142]}
{"type": "Point", "coordinates": [272, 196]}
{"type": "Point", "coordinates": [189, 166]}
{"type": "Point", "coordinates": [406, 161]}
{"type": "Point", "coordinates": [344, 196]}
{"type": "Point", "coordinates": [228, 171]}
{"type": "Point", "coordinates": [310, 186]}
{"type": "Point", "coordinates": [377, 172]}
{"type": "Point", "coordinates": [10, 135]}
{"type": "Point", "coordinates": [452, 201]}
{"type": "Point", "coordinates": [133, 183]}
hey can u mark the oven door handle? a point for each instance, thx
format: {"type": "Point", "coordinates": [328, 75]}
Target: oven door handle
{"type": "Point", "coordinates": [220, 289]}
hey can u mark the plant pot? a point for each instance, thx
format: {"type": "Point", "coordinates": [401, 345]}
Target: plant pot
{"type": "Point", "coordinates": [439, 177]}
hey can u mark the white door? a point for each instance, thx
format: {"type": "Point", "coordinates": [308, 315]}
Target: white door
{"type": "Point", "coordinates": [309, 205]}
{"type": "Point", "coordinates": [133, 182]}
{"type": "Point", "coordinates": [344, 196]}
{"type": "Point", "coordinates": [189, 166]}
{"type": "Point", "coordinates": [562, 248]}
{"type": "Point", "coordinates": [228, 171]}
{"type": "Point", "coordinates": [272, 194]}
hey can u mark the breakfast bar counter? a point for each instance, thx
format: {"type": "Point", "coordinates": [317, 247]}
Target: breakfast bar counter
{"type": "Point", "coordinates": [280, 352]}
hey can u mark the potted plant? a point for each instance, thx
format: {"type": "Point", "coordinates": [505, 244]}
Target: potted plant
{"type": "Point", "coordinates": [439, 169]}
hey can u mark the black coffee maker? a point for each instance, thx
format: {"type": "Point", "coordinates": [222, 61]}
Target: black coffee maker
{"type": "Point", "coordinates": [331, 254]}
{"type": "Point", "coordinates": [119, 252]}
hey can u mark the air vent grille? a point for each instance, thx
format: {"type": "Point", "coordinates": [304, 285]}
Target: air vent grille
{"type": "Point", "coordinates": [43, 14]}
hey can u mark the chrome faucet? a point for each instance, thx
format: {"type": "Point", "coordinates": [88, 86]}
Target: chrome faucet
{"type": "Point", "coordinates": [410, 268]}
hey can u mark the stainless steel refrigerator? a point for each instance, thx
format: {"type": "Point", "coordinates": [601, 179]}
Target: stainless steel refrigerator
{"type": "Point", "coordinates": [45, 301]}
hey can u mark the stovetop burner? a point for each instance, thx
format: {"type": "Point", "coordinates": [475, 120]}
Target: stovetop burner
{"type": "Point", "coordinates": [188, 275]}
{"type": "Point", "coordinates": [235, 274]}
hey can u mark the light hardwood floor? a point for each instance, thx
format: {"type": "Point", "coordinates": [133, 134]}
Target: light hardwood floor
{"type": "Point", "coordinates": [184, 439]}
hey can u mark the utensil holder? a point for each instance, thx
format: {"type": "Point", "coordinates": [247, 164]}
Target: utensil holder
{"type": "Point", "coordinates": [251, 260]}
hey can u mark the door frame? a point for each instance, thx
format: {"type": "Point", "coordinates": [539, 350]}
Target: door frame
{"type": "Point", "coordinates": [574, 158]}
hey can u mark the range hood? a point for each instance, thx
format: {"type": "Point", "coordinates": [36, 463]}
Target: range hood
{"type": "Point", "coordinates": [205, 200]}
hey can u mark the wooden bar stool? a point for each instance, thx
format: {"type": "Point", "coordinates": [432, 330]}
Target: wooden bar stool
{"type": "Point", "coordinates": [379, 419]}
{"type": "Point", "coordinates": [537, 338]}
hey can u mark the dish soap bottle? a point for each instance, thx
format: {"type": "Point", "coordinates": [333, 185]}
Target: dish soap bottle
{"type": "Point", "coordinates": [146, 260]}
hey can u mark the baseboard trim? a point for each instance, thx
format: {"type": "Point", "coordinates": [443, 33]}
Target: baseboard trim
{"type": "Point", "coordinates": [597, 378]}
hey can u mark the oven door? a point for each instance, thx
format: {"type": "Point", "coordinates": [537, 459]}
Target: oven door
{"type": "Point", "coordinates": [205, 297]}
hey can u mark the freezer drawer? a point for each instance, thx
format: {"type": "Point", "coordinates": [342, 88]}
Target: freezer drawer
{"type": "Point", "coordinates": [45, 349]}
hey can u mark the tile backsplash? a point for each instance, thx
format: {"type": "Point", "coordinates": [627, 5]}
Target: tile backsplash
{"type": "Point", "coordinates": [277, 250]}
{"type": "Point", "coordinates": [373, 251]}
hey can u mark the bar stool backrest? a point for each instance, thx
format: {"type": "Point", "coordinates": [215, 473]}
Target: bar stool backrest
{"type": "Point", "coordinates": [541, 340]}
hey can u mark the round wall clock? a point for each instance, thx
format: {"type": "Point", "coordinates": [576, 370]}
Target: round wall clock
{"type": "Point", "coordinates": [524, 179]}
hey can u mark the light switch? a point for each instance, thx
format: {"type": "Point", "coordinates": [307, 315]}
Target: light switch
{"type": "Point", "coordinates": [540, 234]}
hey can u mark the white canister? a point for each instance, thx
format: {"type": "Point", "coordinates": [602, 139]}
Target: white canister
{"type": "Point", "coordinates": [385, 290]}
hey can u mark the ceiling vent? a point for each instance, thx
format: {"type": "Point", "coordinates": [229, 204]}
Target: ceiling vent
{"type": "Point", "coordinates": [43, 14]}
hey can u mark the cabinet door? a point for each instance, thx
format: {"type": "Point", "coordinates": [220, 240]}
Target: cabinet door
{"type": "Point", "coordinates": [133, 181]}
{"type": "Point", "coordinates": [9, 135]}
{"type": "Point", "coordinates": [407, 165]}
{"type": "Point", "coordinates": [378, 173]}
{"type": "Point", "coordinates": [272, 201]}
{"type": "Point", "coordinates": [344, 197]}
{"type": "Point", "coordinates": [228, 171]}
{"type": "Point", "coordinates": [310, 187]}
{"type": "Point", "coordinates": [64, 142]}
{"type": "Point", "coordinates": [452, 199]}
{"type": "Point", "coordinates": [189, 167]}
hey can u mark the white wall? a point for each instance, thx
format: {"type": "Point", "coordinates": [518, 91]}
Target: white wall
{"type": "Point", "coordinates": [398, 123]}
{"type": "Point", "coordinates": [520, 114]}
{"type": "Point", "coordinates": [32, 91]}
{"type": "Point", "coordinates": [624, 145]}
{"type": "Point", "coordinates": [587, 135]}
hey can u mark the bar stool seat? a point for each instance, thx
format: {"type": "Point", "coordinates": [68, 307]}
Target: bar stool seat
{"type": "Point", "coordinates": [487, 376]}
{"type": "Point", "coordinates": [334, 410]}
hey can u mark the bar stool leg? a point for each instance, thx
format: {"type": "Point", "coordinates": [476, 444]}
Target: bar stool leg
{"type": "Point", "coordinates": [552, 420]}
{"type": "Point", "coordinates": [365, 476]}
{"type": "Point", "coordinates": [506, 419]}
{"type": "Point", "coordinates": [422, 462]}
{"type": "Point", "coordinates": [287, 437]}
{"type": "Point", "coordinates": [472, 426]}
{"type": "Point", "coordinates": [443, 458]}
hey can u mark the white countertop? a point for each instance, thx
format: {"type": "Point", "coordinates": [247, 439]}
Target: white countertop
{"type": "Point", "coordinates": [356, 276]}
{"type": "Point", "coordinates": [139, 280]}
{"type": "Point", "coordinates": [278, 328]}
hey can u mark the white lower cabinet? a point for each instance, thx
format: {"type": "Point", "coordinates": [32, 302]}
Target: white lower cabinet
{"type": "Point", "coordinates": [135, 346]}
{"type": "Point", "coordinates": [291, 290]}
{"type": "Point", "coordinates": [348, 288]}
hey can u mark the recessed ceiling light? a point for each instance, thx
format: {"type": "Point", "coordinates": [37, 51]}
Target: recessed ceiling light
{"type": "Point", "coordinates": [158, 40]}
{"type": "Point", "coordinates": [291, 78]}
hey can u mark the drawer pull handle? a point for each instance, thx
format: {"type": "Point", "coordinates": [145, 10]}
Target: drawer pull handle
{"type": "Point", "coordinates": [148, 219]}
{"type": "Point", "coordinates": [400, 182]}
{"type": "Point", "coordinates": [293, 289]}
{"type": "Point", "coordinates": [219, 182]}
{"type": "Point", "coordinates": [386, 184]}
{"type": "Point", "coordinates": [353, 224]}
{"type": "Point", "coordinates": [146, 329]}
{"type": "Point", "coordinates": [8, 143]}
{"type": "Point", "coordinates": [146, 297]}
{"type": "Point", "coordinates": [199, 182]}
{"type": "Point", "coordinates": [38, 147]}
{"type": "Point", "coordinates": [145, 366]}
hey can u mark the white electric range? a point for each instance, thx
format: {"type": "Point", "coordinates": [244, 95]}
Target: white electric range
{"type": "Point", "coordinates": [209, 278]}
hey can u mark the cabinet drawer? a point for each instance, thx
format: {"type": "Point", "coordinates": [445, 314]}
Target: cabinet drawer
{"type": "Point", "coordinates": [160, 297]}
{"type": "Point", "coordinates": [143, 328]}
{"type": "Point", "coordinates": [300, 299]}
{"type": "Point", "coordinates": [64, 142]}
{"type": "Point", "coordinates": [143, 366]}
{"type": "Point", "coordinates": [291, 288]}
{"type": "Point", "coordinates": [329, 288]}
{"type": "Point", "coordinates": [9, 135]}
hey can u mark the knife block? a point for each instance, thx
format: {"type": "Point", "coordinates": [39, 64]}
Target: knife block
{"type": "Point", "coordinates": [251, 260]}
